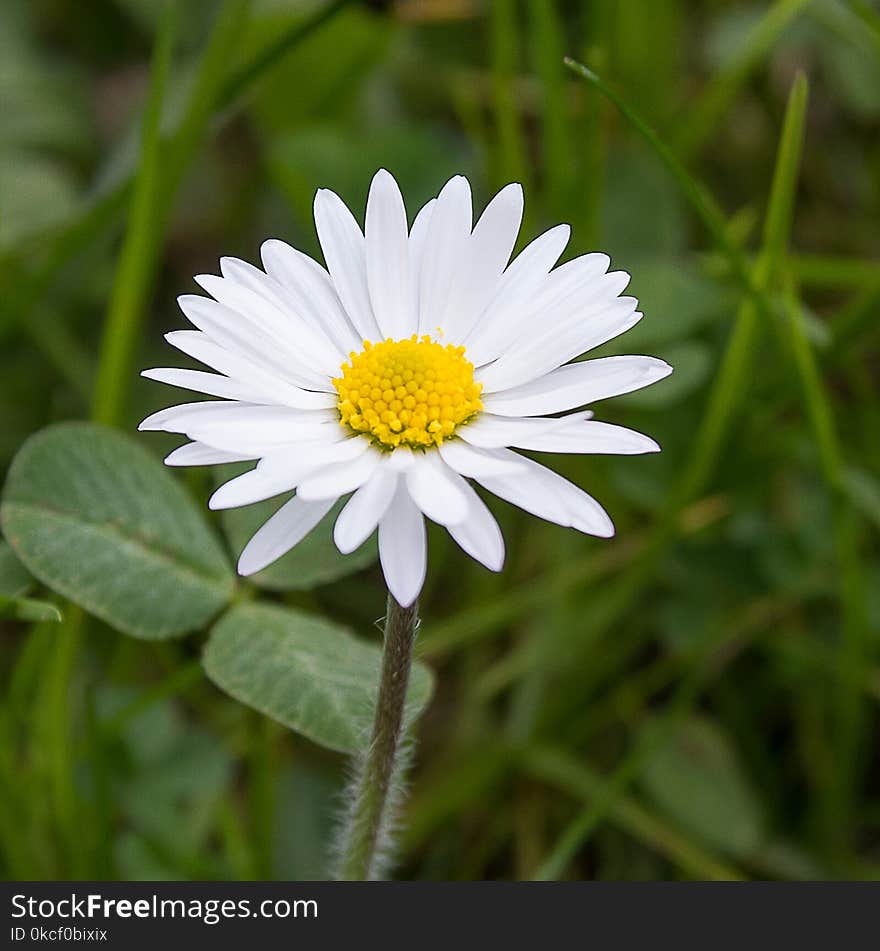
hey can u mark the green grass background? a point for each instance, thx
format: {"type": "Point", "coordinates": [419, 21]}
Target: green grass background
{"type": "Point", "coordinates": [696, 698]}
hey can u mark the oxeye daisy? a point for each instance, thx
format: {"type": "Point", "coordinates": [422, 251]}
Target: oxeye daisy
{"type": "Point", "coordinates": [414, 365]}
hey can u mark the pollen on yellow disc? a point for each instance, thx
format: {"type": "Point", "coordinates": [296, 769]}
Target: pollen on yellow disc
{"type": "Point", "coordinates": [413, 392]}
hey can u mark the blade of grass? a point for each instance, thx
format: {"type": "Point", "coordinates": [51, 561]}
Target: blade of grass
{"type": "Point", "coordinates": [629, 699]}
{"type": "Point", "coordinates": [820, 656]}
{"type": "Point", "coordinates": [509, 160]}
{"type": "Point", "coordinates": [869, 16]}
{"type": "Point", "coordinates": [205, 98]}
{"type": "Point", "coordinates": [154, 190]}
{"type": "Point", "coordinates": [855, 646]}
{"type": "Point", "coordinates": [102, 212]}
{"type": "Point", "coordinates": [448, 787]}
{"type": "Point", "coordinates": [776, 228]}
{"type": "Point", "coordinates": [559, 768]}
{"type": "Point", "coordinates": [693, 671]}
{"type": "Point", "coordinates": [264, 735]}
{"type": "Point", "coordinates": [704, 115]}
{"type": "Point", "coordinates": [864, 493]}
{"type": "Point", "coordinates": [854, 323]}
{"type": "Point", "coordinates": [140, 250]}
{"type": "Point", "coordinates": [490, 615]}
{"type": "Point", "coordinates": [725, 399]}
{"type": "Point", "coordinates": [160, 171]}
{"type": "Point", "coordinates": [816, 402]}
{"type": "Point", "coordinates": [833, 272]}
{"type": "Point", "coordinates": [590, 134]}
{"type": "Point", "coordinates": [694, 191]}
{"type": "Point", "coordinates": [54, 716]}
{"type": "Point", "coordinates": [262, 62]}
{"type": "Point", "coordinates": [855, 23]}
{"type": "Point", "coordinates": [54, 729]}
{"type": "Point", "coordinates": [547, 53]}
{"type": "Point", "coordinates": [732, 378]}
{"type": "Point", "coordinates": [176, 683]}
{"type": "Point", "coordinates": [28, 609]}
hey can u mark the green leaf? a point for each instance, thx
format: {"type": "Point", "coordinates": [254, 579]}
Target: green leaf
{"type": "Point", "coordinates": [306, 672]}
{"type": "Point", "coordinates": [97, 518]}
{"type": "Point", "coordinates": [27, 609]}
{"type": "Point", "coordinates": [15, 579]}
{"type": "Point", "coordinates": [697, 780]}
{"type": "Point", "coordinates": [314, 561]}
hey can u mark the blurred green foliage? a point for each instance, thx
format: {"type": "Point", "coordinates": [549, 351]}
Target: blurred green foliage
{"type": "Point", "coordinates": [695, 698]}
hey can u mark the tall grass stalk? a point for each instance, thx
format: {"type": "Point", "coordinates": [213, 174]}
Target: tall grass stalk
{"type": "Point", "coordinates": [140, 249]}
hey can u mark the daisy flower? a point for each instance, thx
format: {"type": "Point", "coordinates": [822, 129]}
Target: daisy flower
{"type": "Point", "coordinates": [412, 366]}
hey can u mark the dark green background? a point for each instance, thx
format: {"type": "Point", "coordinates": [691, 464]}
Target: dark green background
{"type": "Point", "coordinates": [695, 698]}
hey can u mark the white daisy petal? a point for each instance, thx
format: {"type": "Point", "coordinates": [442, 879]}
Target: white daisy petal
{"type": "Point", "coordinates": [567, 302]}
{"type": "Point", "coordinates": [589, 437]}
{"type": "Point", "coordinates": [244, 427]}
{"type": "Point", "coordinates": [401, 460]}
{"type": "Point", "coordinates": [233, 413]}
{"type": "Point", "coordinates": [434, 488]}
{"type": "Point", "coordinates": [317, 356]}
{"type": "Point", "coordinates": [559, 343]}
{"type": "Point", "coordinates": [494, 432]}
{"type": "Point", "coordinates": [156, 422]}
{"type": "Point", "coordinates": [248, 275]}
{"type": "Point", "coordinates": [403, 548]}
{"type": "Point", "coordinates": [211, 384]}
{"type": "Point", "coordinates": [295, 307]}
{"type": "Point", "coordinates": [487, 253]}
{"type": "Point", "coordinates": [299, 327]}
{"type": "Point", "coordinates": [392, 289]}
{"type": "Point", "coordinates": [365, 509]}
{"type": "Point", "coordinates": [286, 528]}
{"type": "Point", "coordinates": [344, 252]}
{"type": "Point", "coordinates": [311, 292]}
{"type": "Point", "coordinates": [472, 462]}
{"type": "Point", "coordinates": [263, 441]}
{"type": "Point", "coordinates": [283, 471]}
{"type": "Point", "coordinates": [197, 454]}
{"type": "Point", "coordinates": [577, 384]}
{"type": "Point", "coordinates": [445, 242]}
{"type": "Point", "coordinates": [479, 534]}
{"type": "Point", "coordinates": [502, 320]}
{"type": "Point", "coordinates": [246, 357]}
{"type": "Point", "coordinates": [257, 485]}
{"type": "Point", "coordinates": [323, 415]}
{"type": "Point", "coordinates": [545, 493]}
{"type": "Point", "coordinates": [584, 279]}
{"type": "Point", "coordinates": [418, 237]}
{"type": "Point", "coordinates": [335, 480]}
{"type": "Point", "coordinates": [526, 491]}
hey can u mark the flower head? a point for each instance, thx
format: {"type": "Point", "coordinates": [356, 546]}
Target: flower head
{"type": "Point", "coordinates": [415, 362]}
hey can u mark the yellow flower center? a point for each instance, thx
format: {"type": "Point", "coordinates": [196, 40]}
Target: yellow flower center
{"type": "Point", "coordinates": [411, 392]}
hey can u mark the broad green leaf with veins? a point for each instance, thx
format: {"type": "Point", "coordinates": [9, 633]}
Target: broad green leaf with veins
{"type": "Point", "coordinates": [98, 519]}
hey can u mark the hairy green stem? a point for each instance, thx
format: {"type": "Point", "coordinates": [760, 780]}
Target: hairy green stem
{"type": "Point", "coordinates": [365, 838]}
